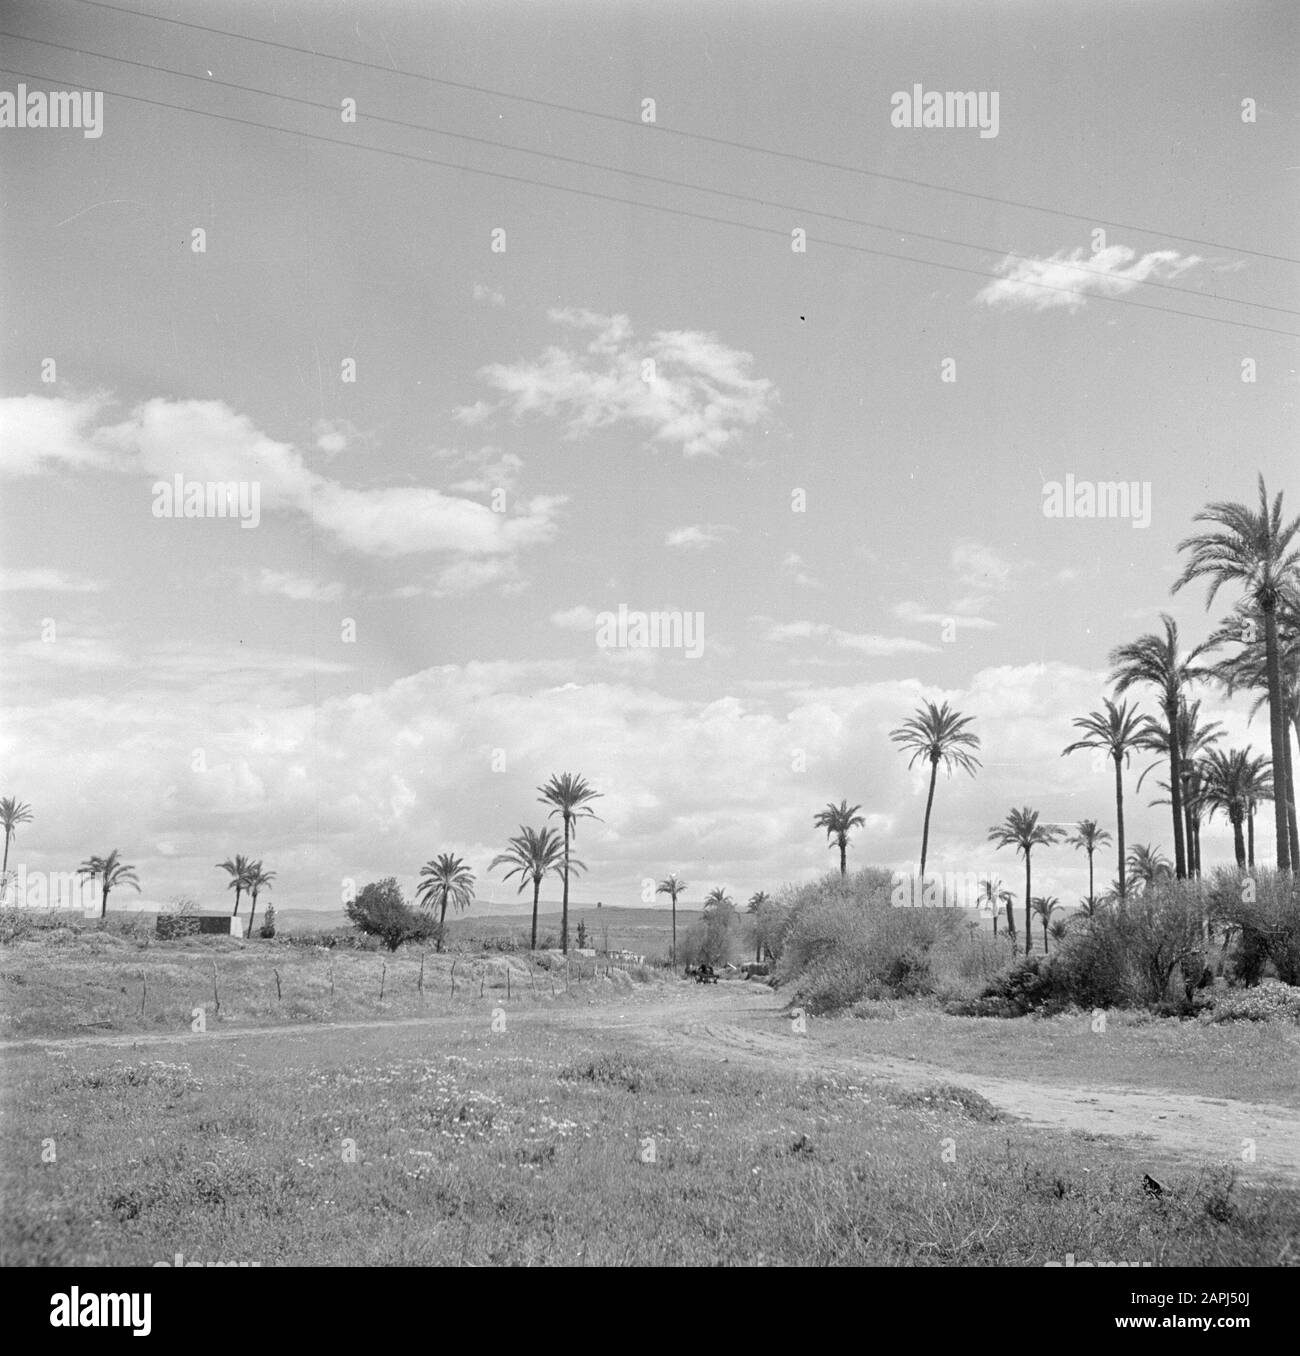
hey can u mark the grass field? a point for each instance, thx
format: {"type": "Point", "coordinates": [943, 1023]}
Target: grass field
{"type": "Point", "coordinates": [550, 1125]}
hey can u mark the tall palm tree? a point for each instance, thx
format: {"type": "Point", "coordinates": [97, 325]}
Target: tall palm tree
{"type": "Point", "coordinates": [1257, 549]}
{"type": "Point", "coordinates": [1230, 782]}
{"type": "Point", "coordinates": [755, 907]}
{"type": "Point", "coordinates": [570, 797]}
{"type": "Point", "coordinates": [994, 894]}
{"type": "Point", "coordinates": [532, 854]}
{"type": "Point", "coordinates": [1148, 865]}
{"type": "Point", "coordinates": [238, 871]}
{"type": "Point", "coordinates": [1045, 906]}
{"type": "Point", "coordinates": [839, 821]}
{"type": "Point", "coordinates": [12, 813]}
{"type": "Point", "coordinates": [256, 881]}
{"type": "Point", "coordinates": [1021, 830]}
{"type": "Point", "coordinates": [444, 880]}
{"type": "Point", "coordinates": [718, 898]}
{"type": "Point", "coordinates": [1088, 836]}
{"type": "Point", "coordinates": [1157, 661]}
{"type": "Point", "coordinates": [111, 872]}
{"type": "Point", "coordinates": [1194, 739]}
{"type": "Point", "coordinates": [672, 887]}
{"type": "Point", "coordinates": [1117, 730]}
{"type": "Point", "coordinates": [937, 734]}
{"type": "Point", "coordinates": [1259, 786]}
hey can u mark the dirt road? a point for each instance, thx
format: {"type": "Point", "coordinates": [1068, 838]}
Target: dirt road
{"type": "Point", "coordinates": [746, 1024]}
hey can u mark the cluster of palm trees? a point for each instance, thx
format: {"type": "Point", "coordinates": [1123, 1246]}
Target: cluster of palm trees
{"type": "Point", "coordinates": [246, 875]}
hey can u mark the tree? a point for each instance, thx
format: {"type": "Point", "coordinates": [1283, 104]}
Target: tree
{"type": "Point", "coordinates": [12, 813]}
{"type": "Point", "coordinates": [1158, 662]}
{"type": "Point", "coordinates": [839, 821]}
{"type": "Point", "coordinates": [1045, 906]}
{"type": "Point", "coordinates": [379, 910]}
{"type": "Point", "coordinates": [755, 907]}
{"type": "Point", "coordinates": [257, 881]}
{"type": "Point", "coordinates": [718, 898]}
{"type": "Point", "coordinates": [570, 797]}
{"type": "Point", "coordinates": [1256, 549]}
{"type": "Point", "coordinates": [672, 887]}
{"type": "Point", "coordinates": [1194, 738]}
{"type": "Point", "coordinates": [445, 880]}
{"type": "Point", "coordinates": [532, 854]}
{"type": "Point", "coordinates": [238, 871]}
{"type": "Point", "coordinates": [1117, 730]}
{"type": "Point", "coordinates": [1021, 830]}
{"type": "Point", "coordinates": [111, 872]}
{"type": "Point", "coordinates": [1148, 866]}
{"type": "Point", "coordinates": [937, 734]}
{"type": "Point", "coordinates": [1088, 836]}
{"type": "Point", "coordinates": [1230, 781]}
{"type": "Point", "coordinates": [995, 895]}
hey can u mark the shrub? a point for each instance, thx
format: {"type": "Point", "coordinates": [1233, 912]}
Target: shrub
{"type": "Point", "coordinates": [1270, 1001]}
{"type": "Point", "coordinates": [383, 916]}
{"type": "Point", "coordinates": [1025, 988]}
{"type": "Point", "coordinates": [268, 925]}
{"type": "Point", "coordinates": [1261, 912]}
{"type": "Point", "coordinates": [847, 942]}
{"type": "Point", "coordinates": [173, 925]}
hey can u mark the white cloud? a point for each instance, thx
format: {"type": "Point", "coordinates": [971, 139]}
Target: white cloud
{"type": "Point", "coordinates": [488, 296]}
{"type": "Point", "coordinates": [980, 567]}
{"type": "Point", "coordinates": [683, 387]}
{"type": "Point", "coordinates": [579, 618]}
{"type": "Point", "coordinates": [869, 644]}
{"type": "Point", "coordinates": [1066, 279]}
{"type": "Point", "coordinates": [698, 536]}
{"type": "Point", "coordinates": [48, 581]}
{"type": "Point", "coordinates": [44, 433]}
{"type": "Point", "coordinates": [296, 587]}
{"type": "Point", "coordinates": [917, 615]}
{"type": "Point", "coordinates": [793, 565]}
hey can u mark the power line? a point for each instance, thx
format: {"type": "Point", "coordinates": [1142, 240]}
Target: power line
{"type": "Point", "coordinates": [638, 174]}
{"type": "Point", "coordinates": [694, 136]}
{"type": "Point", "coordinates": [648, 206]}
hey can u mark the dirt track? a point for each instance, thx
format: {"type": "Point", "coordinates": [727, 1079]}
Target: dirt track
{"type": "Point", "coordinates": [747, 1025]}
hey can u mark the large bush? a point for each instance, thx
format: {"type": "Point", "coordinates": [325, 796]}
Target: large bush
{"type": "Point", "coordinates": [1260, 914]}
{"type": "Point", "coordinates": [380, 911]}
{"type": "Point", "coordinates": [847, 942]}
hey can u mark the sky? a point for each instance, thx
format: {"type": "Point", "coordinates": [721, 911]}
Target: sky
{"type": "Point", "coordinates": [494, 347]}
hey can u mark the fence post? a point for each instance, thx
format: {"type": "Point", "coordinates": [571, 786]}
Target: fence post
{"type": "Point", "coordinates": [420, 986]}
{"type": "Point", "coordinates": [278, 994]}
{"type": "Point", "coordinates": [144, 991]}
{"type": "Point", "coordinates": [216, 997]}
{"type": "Point", "coordinates": [382, 976]}
{"type": "Point", "coordinates": [453, 979]}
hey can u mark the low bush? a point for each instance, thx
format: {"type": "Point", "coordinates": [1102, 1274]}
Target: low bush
{"type": "Point", "coordinates": [1271, 1001]}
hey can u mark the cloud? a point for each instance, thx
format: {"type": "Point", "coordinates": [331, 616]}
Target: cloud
{"type": "Point", "coordinates": [488, 469]}
{"type": "Point", "coordinates": [298, 588]}
{"type": "Point", "coordinates": [46, 433]}
{"type": "Point", "coordinates": [205, 440]}
{"type": "Point", "coordinates": [579, 618]}
{"type": "Point", "coordinates": [488, 296]}
{"type": "Point", "coordinates": [876, 646]}
{"type": "Point", "coordinates": [683, 387]}
{"type": "Point", "coordinates": [48, 581]}
{"type": "Point", "coordinates": [977, 566]}
{"type": "Point", "coordinates": [1111, 272]}
{"type": "Point", "coordinates": [699, 536]}
{"type": "Point", "coordinates": [336, 435]}
{"type": "Point", "coordinates": [793, 565]}
{"type": "Point", "coordinates": [968, 617]}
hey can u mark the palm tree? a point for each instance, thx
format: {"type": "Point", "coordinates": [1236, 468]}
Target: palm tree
{"type": "Point", "coordinates": [672, 887]}
{"type": "Point", "coordinates": [531, 855]}
{"type": "Point", "coordinates": [718, 898]}
{"type": "Point", "coordinates": [1157, 661]}
{"type": "Point", "coordinates": [111, 872]}
{"type": "Point", "coordinates": [445, 880]}
{"type": "Point", "coordinates": [1148, 865]}
{"type": "Point", "coordinates": [238, 871]}
{"type": "Point", "coordinates": [1021, 830]}
{"type": "Point", "coordinates": [1230, 782]}
{"type": "Point", "coordinates": [1118, 730]}
{"type": "Point", "coordinates": [1259, 786]}
{"type": "Point", "coordinates": [1254, 548]}
{"type": "Point", "coordinates": [569, 796]}
{"type": "Point", "coordinates": [256, 881]}
{"type": "Point", "coordinates": [937, 734]}
{"type": "Point", "coordinates": [755, 907]}
{"type": "Point", "coordinates": [1193, 740]}
{"type": "Point", "coordinates": [839, 821]}
{"type": "Point", "coordinates": [994, 895]}
{"type": "Point", "coordinates": [1088, 836]}
{"type": "Point", "coordinates": [12, 813]}
{"type": "Point", "coordinates": [1045, 906]}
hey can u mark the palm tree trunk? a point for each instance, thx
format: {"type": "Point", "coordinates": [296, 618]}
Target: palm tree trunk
{"type": "Point", "coordinates": [442, 917]}
{"type": "Point", "coordinates": [103, 908]}
{"type": "Point", "coordinates": [564, 915]}
{"type": "Point", "coordinates": [1029, 931]}
{"type": "Point", "coordinates": [1176, 791]}
{"type": "Point", "coordinates": [1045, 947]}
{"type": "Point", "coordinates": [1250, 837]}
{"type": "Point", "coordinates": [1090, 885]}
{"type": "Point", "coordinates": [844, 861]}
{"type": "Point", "coordinates": [1238, 842]}
{"type": "Point", "coordinates": [8, 835]}
{"type": "Point", "coordinates": [1189, 837]}
{"type": "Point", "coordinates": [1119, 820]}
{"type": "Point", "coordinates": [238, 892]}
{"type": "Point", "coordinates": [674, 955]}
{"type": "Point", "coordinates": [252, 910]}
{"type": "Point", "coordinates": [537, 890]}
{"type": "Point", "coordinates": [1011, 923]}
{"type": "Point", "coordinates": [1281, 745]}
{"type": "Point", "coordinates": [925, 832]}
{"type": "Point", "coordinates": [1290, 799]}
